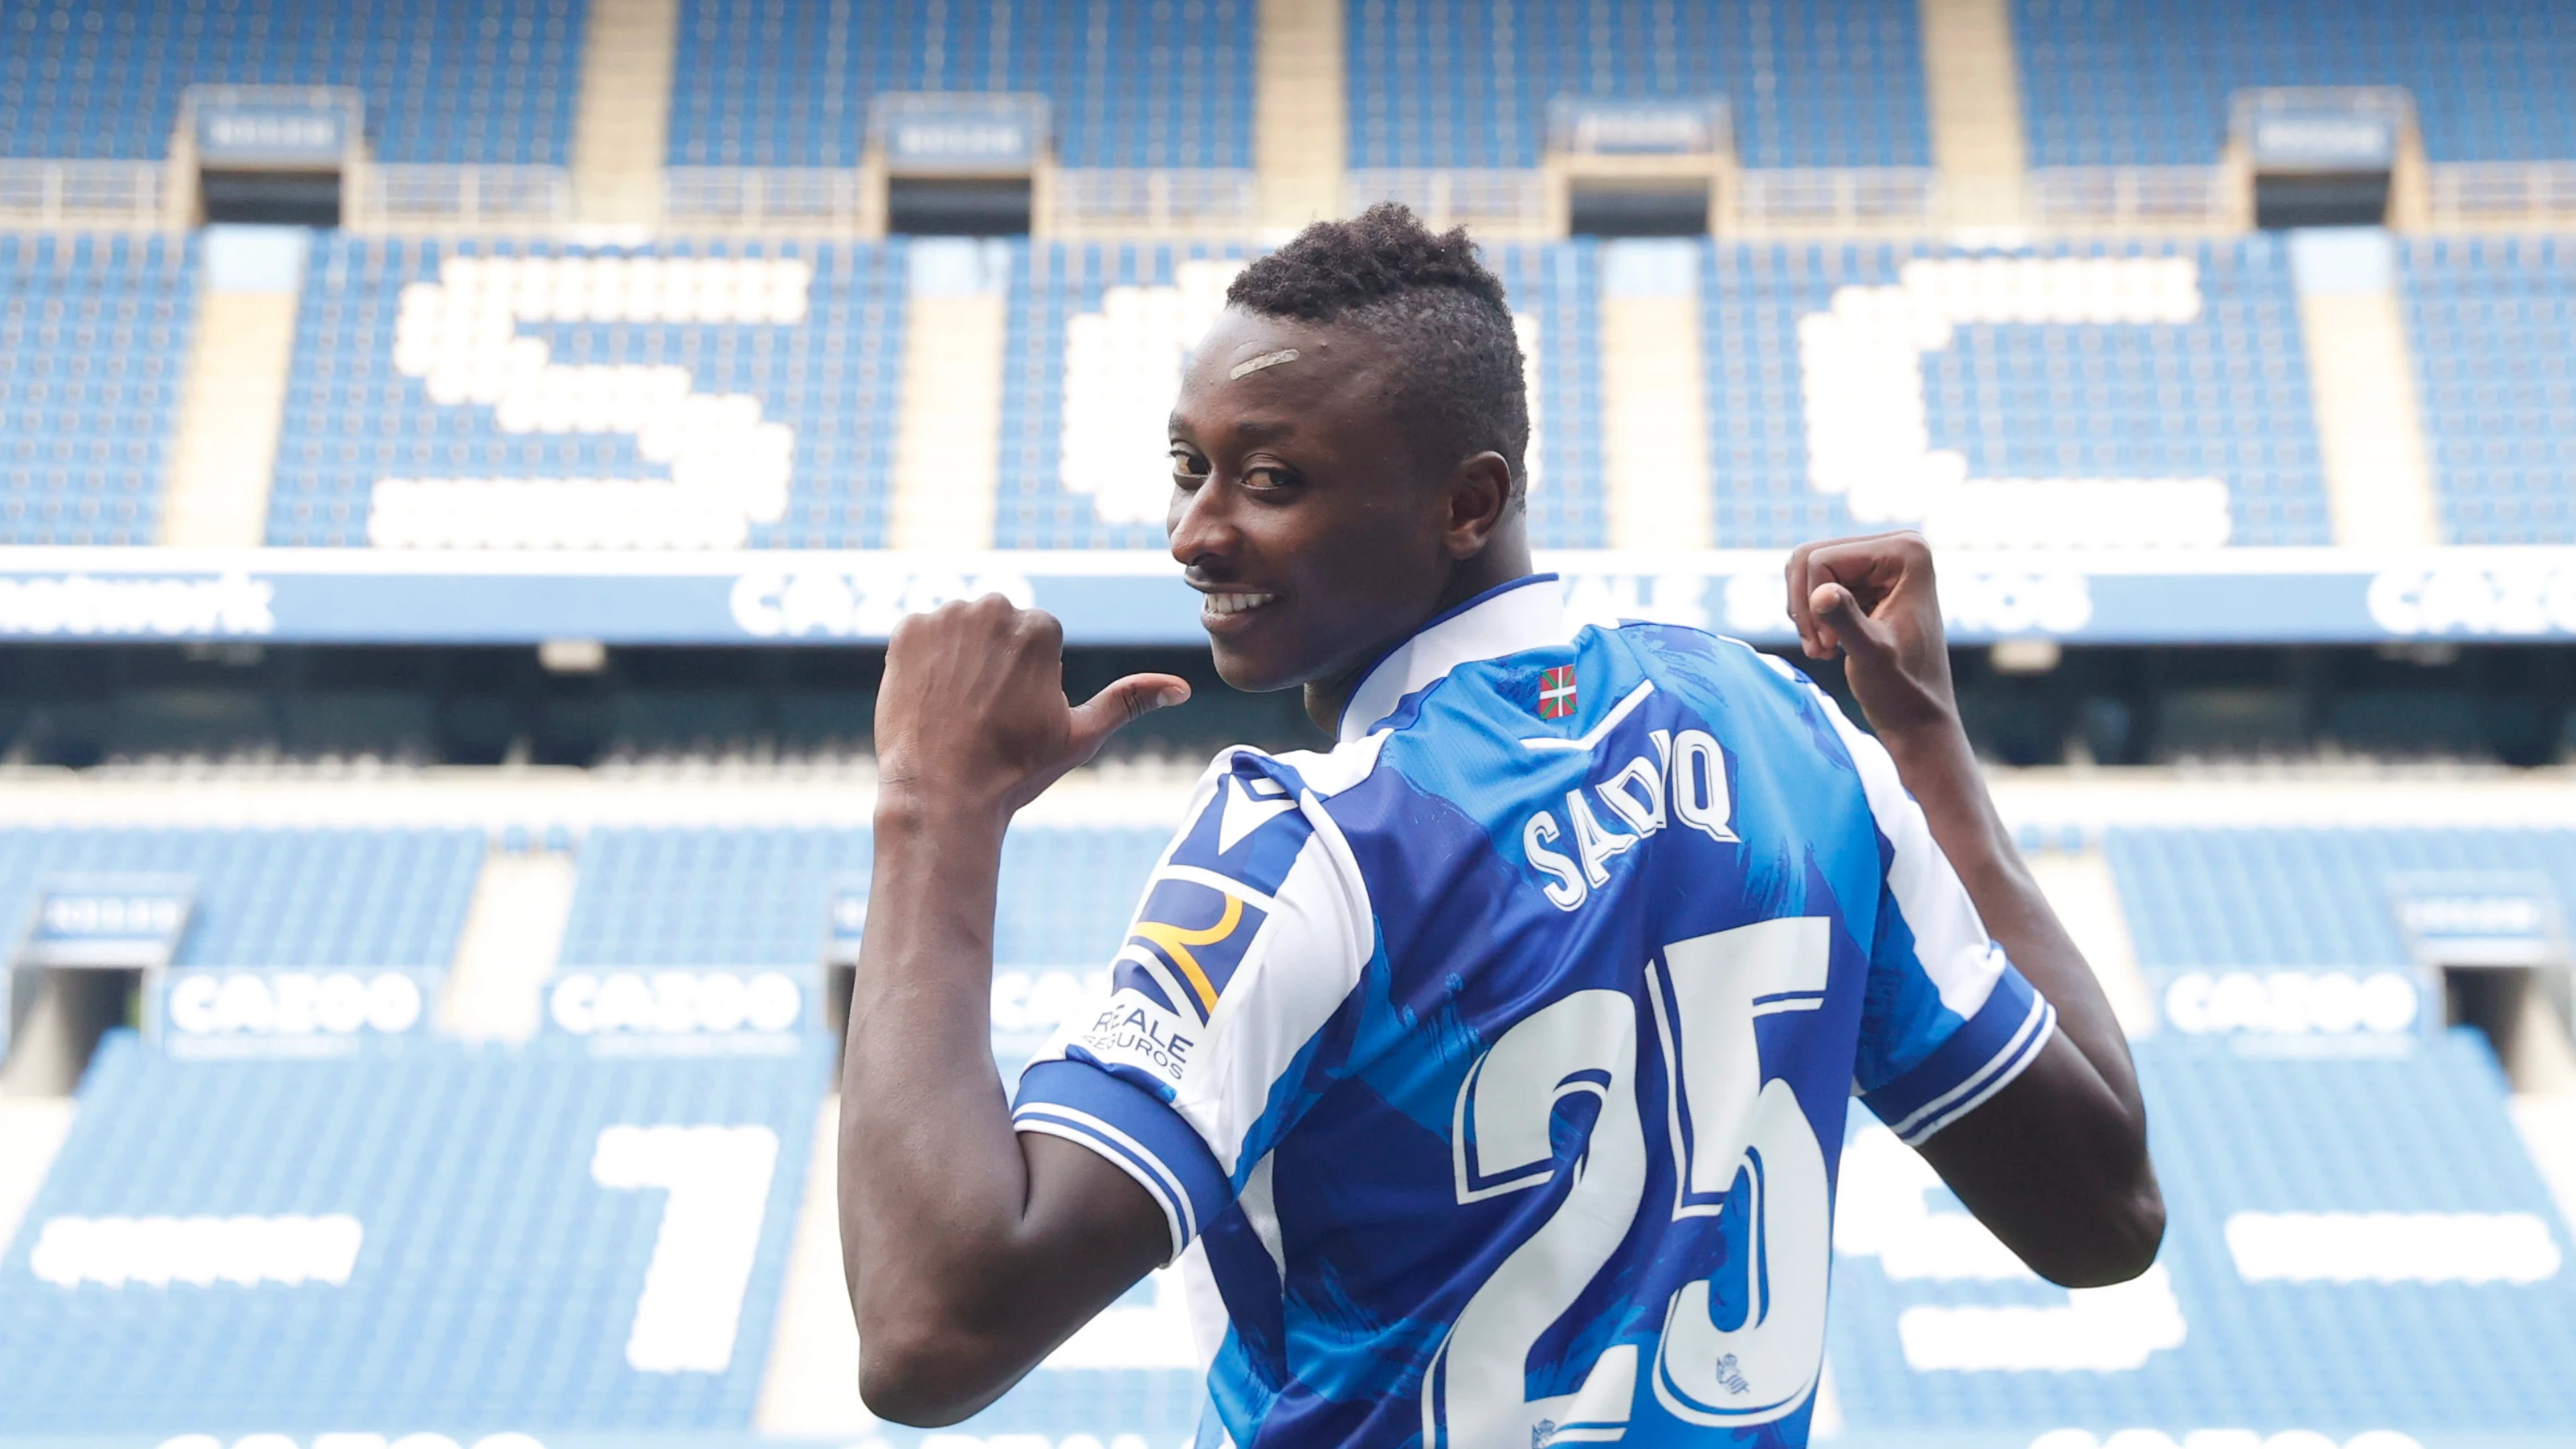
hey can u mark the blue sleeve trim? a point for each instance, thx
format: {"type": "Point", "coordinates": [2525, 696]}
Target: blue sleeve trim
{"type": "Point", "coordinates": [1978, 1060]}
{"type": "Point", "coordinates": [1138, 1133]}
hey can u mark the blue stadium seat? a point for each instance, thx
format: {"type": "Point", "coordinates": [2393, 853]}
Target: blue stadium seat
{"type": "Point", "coordinates": [1451, 83]}
{"type": "Point", "coordinates": [2224, 395]}
{"type": "Point", "coordinates": [500, 1279]}
{"type": "Point", "coordinates": [757, 896]}
{"type": "Point", "coordinates": [445, 80]}
{"type": "Point", "coordinates": [1135, 83]}
{"type": "Point", "coordinates": [2493, 322]}
{"type": "Point", "coordinates": [93, 354]}
{"type": "Point", "coordinates": [2422, 1134]}
{"type": "Point", "coordinates": [277, 897]}
{"type": "Point", "coordinates": [2147, 82]}
{"type": "Point", "coordinates": [353, 417]}
{"type": "Point", "coordinates": [2311, 897]}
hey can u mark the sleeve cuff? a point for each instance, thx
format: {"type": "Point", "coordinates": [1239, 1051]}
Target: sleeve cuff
{"type": "Point", "coordinates": [1138, 1133]}
{"type": "Point", "coordinates": [1979, 1059]}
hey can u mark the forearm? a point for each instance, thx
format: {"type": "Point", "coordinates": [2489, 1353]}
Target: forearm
{"type": "Point", "coordinates": [933, 1182]}
{"type": "Point", "coordinates": [1940, 770]}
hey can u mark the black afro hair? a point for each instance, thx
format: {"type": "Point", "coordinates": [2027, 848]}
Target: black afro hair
{"type": "Point", "coordinates": [1430, 299]}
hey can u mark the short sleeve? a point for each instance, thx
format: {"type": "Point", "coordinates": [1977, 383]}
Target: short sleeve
{"type": "Point", "coordinates": [1252, 932]}
{"type": "Point", "coordinates": [1946, 1019]}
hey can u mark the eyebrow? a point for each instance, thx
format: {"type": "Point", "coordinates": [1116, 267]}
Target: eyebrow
{"type": "Point", "coordinates": [1249, 429]}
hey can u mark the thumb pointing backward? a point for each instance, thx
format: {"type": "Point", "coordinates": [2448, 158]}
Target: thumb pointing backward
{"type": "Point", "coordinates": [1122, 703]}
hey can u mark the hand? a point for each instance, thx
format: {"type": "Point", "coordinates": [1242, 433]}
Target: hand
{"type": "Point", "coordinates": [1873, 599]}
{"type": "Point", "coordinates": [972, 712]}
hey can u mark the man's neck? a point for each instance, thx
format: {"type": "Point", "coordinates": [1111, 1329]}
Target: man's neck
{"type": "Point", "coordinates": [1499, 564]}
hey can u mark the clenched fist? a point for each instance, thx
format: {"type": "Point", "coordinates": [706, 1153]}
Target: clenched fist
{"type": "Point", "coordinates": [972, 713]}
{"type": "Point", "coordinates": [1874, 600]}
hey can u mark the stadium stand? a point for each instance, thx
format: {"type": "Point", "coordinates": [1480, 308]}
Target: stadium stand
{"type": "Point", "coordinates": [2453, 1317]}
{"type": "Point", "coordinates": [735, 897]}
{"type": "Point", "coordinates": [2133, 83]}
{"type": "Point", "coordinates": [1447, 83]}
{"type": "Point", "coordinates": [762, 375]}
{"type": "Point", "coordinates": [2293, 898]}
{"type": "Point", "coordinates": [2493, 322]}
{"type": "Point", "coordinates": [93, 344]}
{"type": "Point", "coordinates": [1096, 335]}
{"type": "Point", "coordinates": [432, 1236]}
{"type": "Point", "coordinates": [274, 896]}
{"type": "Point", "coordinates": [1134, 83]}
{"type": "Point", "coordinates": [444, 80]}
{"type": "Point", "coordinates": [2052, 370]}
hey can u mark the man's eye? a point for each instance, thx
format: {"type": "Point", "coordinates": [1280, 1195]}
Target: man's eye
{"type": "Point", "coordinates": [1268, 477]}
{"type": "Point", "coordinates": [1186, 464]}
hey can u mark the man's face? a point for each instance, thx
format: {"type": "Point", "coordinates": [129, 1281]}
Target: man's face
{"type": "Point", "coordinates": [1299, 506]}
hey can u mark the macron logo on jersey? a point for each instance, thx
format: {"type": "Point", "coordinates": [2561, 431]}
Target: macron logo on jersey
{"type": "Point", "coordinates": [1248, 808]}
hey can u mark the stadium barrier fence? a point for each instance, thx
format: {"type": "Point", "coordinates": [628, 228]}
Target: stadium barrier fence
{"type": "Point", "coordinates": [83, 193]}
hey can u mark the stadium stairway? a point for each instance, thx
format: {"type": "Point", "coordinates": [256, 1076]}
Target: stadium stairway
{"type": "Point", "coordinates": [232, 406]}
{"type": "Point", "coordinates": [1654, 409]}
{"type": "Point", "coordinates": [946, 471]}
{"type": "Point", "coordinates": [813, 1385]}
{"type": "Point", "coordinates": [1973, 91]}
{"type": "Point", "coordinates": [2361, 385]}
{"type": "Point", "coordinates": [1301, 117]}
{"type": "Point", "coordinates": [32, 1130]}
{"type": "Point", "coordinates": [622, 123]}
{"type": "Point", "coordinates": [513, 930]}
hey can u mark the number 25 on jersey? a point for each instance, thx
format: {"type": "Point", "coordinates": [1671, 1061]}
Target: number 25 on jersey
{"type": "Point", "coordinates": [1723, 1119]}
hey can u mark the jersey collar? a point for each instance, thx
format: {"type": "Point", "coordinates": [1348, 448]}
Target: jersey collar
{"type": "Point", "coordinates": [1505, 619]}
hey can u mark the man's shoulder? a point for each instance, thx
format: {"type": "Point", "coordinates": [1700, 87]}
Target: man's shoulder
{"type": "Point", "coordinates": [1592, 681]}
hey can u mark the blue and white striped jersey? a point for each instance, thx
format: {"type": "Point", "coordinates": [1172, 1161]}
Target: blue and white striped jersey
{"type": "Point", "coordinates": [1491, 1068]}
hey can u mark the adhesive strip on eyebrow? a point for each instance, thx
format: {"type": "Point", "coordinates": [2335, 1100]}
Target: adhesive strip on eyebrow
{"type": "Point", "coordinates": [1267, 359]}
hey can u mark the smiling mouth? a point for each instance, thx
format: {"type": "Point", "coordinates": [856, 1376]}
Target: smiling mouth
{"type": "Point", "coordinates": [1226, 604]}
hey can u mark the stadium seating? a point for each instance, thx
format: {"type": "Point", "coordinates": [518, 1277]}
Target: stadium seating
{"type": "Point", "coordinates": [1096, 336]}
{"type": "Point", "coordinates": [2133, 83]}
{"type": "Point", "coordinates": [1451, 83]}
{"type": "Point", "coordinates": [93, 350]}
{"type": "Point", "coordinates": [277, 897]}
{"type": "Point", "coordinates": [186, 1266]}
{"type": "Point", "coordinates": [2466, 1333]}
{"type": "Point", "coordinates": [2357, 1238]}
{"type": "Point", "coordinates": [762, 376]}
{"type": "Point", "coordinates": [444, 80]}
{"type": "Point", "coordinates": [2056, 375]}
{"type": "Point", "coordinates": [747, 897]}
{"type": "Point", "coordinates": [2294, 898]}
{"type": "Point", "coordinates": [1134, 83]}
{"type": "Point", "coordinates": [2493, 322]}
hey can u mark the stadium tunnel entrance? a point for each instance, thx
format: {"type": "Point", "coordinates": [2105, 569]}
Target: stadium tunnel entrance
{"type": "Point", "coordinates": [56, 1018]}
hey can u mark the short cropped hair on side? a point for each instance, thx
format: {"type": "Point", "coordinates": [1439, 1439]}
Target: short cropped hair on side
{"type": "Point", "coordinates": [1428, 297]}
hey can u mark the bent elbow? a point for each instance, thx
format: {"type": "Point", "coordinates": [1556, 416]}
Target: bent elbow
{"type": "Point", "coordinates": [2122, 1244]}
{"type": "Point", "coordinates": [922, 1378]}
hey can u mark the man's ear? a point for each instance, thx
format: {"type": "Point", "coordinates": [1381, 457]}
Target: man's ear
{"type": "Point", "coordinates": [1479, 499]}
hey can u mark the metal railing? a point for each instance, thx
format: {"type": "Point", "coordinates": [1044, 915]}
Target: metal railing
{"type": "Point", "coordinates": [459, 196]}
{"type": "Point", "coordinates": [2502, 193]}
{"type": "Point", "coordinates": [1903, 199]}
{"type": "Point", "coordinates": [83, 193]}
{"type": "Point", "coordinates": [2138, 198]}
{"type": "Point", "coordinates": [1492, 203]}
{"type": "Point", "coordinates": [1122, 201]}
{"type": "Point", "coordinates": [752, 198]}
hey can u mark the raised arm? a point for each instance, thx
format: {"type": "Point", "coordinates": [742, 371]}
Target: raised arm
{"type": "Point", "coordinates": [2056, 1163]}
{"type": "Point", "coordinates": [971, 1251]}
